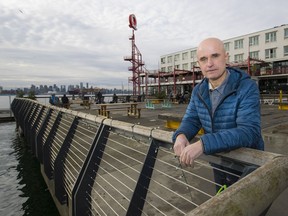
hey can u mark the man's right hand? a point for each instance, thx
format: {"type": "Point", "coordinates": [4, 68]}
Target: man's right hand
{"type": "Point", "coordinates": [180, 143]}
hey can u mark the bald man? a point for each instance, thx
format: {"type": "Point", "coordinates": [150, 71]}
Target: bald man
{"type": "Point", "coordinates": [226, 104]}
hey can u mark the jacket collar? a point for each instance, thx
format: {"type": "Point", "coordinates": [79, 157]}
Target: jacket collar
{"type": "Point", "coordinates": [232, 84]}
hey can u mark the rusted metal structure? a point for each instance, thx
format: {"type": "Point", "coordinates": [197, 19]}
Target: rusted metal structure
{"type": "Point", "coordinates": [168, 81]}
{"type": "Point", "coordinates": [271, 78]}
{"type": "Point", "coordinates": [135, 58]}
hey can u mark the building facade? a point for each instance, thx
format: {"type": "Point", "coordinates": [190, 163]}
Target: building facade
{"type": "Point", "coordinates": [270, 45]}
{"type": "Point", "coordinates": [263, 54]}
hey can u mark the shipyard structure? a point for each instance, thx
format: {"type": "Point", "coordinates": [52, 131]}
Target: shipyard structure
{"type": "Point", "coordinates": [262, 54]}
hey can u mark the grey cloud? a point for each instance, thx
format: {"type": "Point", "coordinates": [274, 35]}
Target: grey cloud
{"type": "Point", "coordinates": [86, 40]}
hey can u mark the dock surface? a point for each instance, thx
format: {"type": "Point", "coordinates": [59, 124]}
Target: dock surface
{"type": "Point", "coordinates": [274, 124]}
{"type": "Point", "coordinates": [274, 131]}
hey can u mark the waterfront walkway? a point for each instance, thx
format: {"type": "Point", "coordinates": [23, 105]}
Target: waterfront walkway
{"type": "Point", "coordinates": [273, 119]}
{"type": "Point", "coordinates": [274, 130]}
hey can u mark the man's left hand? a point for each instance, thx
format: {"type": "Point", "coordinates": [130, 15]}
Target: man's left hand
{"type": "Point", "coordinates": [190, 153]}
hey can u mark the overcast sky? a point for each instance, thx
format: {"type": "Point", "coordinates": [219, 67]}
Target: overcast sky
{"type": "Point", "coordinates": [71, 41]}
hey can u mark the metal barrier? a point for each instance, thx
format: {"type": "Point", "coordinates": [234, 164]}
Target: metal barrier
{"type": "Point", "coordinates": [98, 166]}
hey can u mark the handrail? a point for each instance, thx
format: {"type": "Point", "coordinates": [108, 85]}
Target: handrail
{"type": "Point", "coordinates": [94, 165]}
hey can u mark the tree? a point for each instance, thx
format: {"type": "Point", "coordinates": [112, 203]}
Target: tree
{"type": "Point", "coordinates": [160, 95]}
{"type": "Point", "coordinates": [20, 93]}
{"type": "Point", "coordinates": [31, 95]}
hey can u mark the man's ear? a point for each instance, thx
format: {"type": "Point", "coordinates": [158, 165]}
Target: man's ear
{"type": "Point", "coordinates": [227, 57]}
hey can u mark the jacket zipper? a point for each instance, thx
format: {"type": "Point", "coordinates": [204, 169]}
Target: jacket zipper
{"type": "Point", "coordinates": [209, 110]}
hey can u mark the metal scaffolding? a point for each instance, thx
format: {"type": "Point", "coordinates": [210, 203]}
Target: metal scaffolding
{"type": "Point", "coordinates": [135, 59]}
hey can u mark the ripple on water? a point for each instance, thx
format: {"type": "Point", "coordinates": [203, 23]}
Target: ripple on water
{"type": "Point", "coordinates": [22, 188]}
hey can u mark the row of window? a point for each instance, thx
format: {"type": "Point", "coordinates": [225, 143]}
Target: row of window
{"type": "Point", "coordinates": [177, 66]}
{"type": "Point", "coordinates": [238, 44]}
{"type": "Point", "coordinates": [185, 56]}
{"type": "Point", "coordinates": [254, 40]}
{"type": "Point", "coordinates": [269, 54]}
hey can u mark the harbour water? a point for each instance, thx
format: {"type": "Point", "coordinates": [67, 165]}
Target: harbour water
{"type": "Point", "coordinates": [22, 188]}
{"type": "Point", "coordinates": [5, 101]}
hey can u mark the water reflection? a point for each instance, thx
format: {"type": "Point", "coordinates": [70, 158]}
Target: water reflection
{"type": "Point", "coordinates": [22, 188]}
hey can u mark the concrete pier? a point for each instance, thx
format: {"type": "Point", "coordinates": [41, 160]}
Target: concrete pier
{"type": "Point", "coordinates": [75, 146]}
{"type": "Point", "coordinates": [274, 130]}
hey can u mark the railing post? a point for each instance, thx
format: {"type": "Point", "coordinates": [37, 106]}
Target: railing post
{"type": "Point", "coordinates": [16, 104]}
{"type": "Point", "coordinates": [29, 125]}
{"type": "Point", "coordinates": [138, 199]}
{"type": "Point", "coordinates": [60, 192]}
{"type": "Point", "coordinates": [13, 105]}
{"type": "Point", "coordinates": [81, 199]}
{"type": "Point", "coordinates": [24, 116]}
{"type": "Point", "coordinates": [33, 129]}
{"type": "Point", "coordinates": [38, 151]}
{"type": "Point", "coordinates": [47, 147]}
{"type": "Point", "coordinates": [10, 106]}
{"type": "Point", "coordinates": [17, 111]}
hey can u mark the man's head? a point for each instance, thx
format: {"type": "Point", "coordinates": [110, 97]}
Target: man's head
{"type": "Point", "coordinates": [212, 59]}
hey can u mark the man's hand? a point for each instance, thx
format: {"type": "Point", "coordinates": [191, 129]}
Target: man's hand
{"type": "Point", "coordinates": [180, 143]}
{"type": "Point", "coordinates": [191, 153]}
{"type": "Point", "coordinates": [187, 152]}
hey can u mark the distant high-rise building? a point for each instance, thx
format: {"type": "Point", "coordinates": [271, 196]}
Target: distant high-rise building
{"type": "Point", "coordinates": [63, 88]}
{"type": "Point", "coordinates": [70, 87]}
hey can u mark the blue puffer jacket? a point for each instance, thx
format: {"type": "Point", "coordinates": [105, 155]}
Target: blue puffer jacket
{"type": "Point", "coordinates": [236, 121]}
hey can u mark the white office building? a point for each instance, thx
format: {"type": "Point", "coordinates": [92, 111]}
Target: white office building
{"type": "Point", "coordinates": [268, 51]}
{"type": "Point", "coordinates": [270, 45]}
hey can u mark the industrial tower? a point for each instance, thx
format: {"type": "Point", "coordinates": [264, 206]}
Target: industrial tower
{"type": "Point", "coordinates": [135, 59]}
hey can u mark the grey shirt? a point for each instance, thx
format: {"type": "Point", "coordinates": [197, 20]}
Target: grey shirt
{"type": "Point", "coordinates": [217, 93]}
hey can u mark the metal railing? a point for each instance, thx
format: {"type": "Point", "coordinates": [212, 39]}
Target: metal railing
{"type": "Point", "coordinates": [98, 166]}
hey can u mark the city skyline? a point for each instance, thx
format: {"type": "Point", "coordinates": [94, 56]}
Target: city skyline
{"type": "Point", "coordinates": [44, 89]}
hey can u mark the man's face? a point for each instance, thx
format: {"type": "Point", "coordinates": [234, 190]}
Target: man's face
{"type": "Point", "coordinates": [212, 58]}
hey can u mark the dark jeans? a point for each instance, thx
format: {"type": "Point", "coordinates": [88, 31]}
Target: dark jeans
{"type": "Point", "coordinates": [223, 178]}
